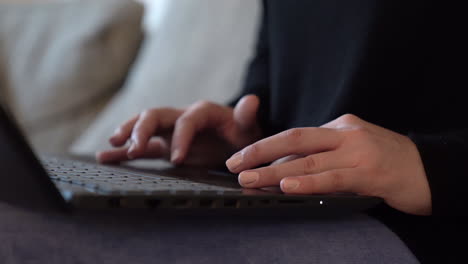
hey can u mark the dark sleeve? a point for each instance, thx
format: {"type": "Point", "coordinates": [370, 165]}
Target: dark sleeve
{"type": "Point", "coordinates": [445, 153]}
{"type": "Point", "coordinates": [445, 159]}
{"type": "Point", "coordinates": [257, 74]}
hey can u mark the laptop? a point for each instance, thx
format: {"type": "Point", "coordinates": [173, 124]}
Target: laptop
{"type": "Point", "coordinates": [64, 183]}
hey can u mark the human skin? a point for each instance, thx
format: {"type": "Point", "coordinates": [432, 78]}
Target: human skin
{"type": "Point", "coordinates": [204, 134]}
{"type": "Point", "coordinates": [347, 154]}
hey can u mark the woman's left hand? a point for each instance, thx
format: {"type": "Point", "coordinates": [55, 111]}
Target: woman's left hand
{"type": "Point", "coordinates": [346, 155]}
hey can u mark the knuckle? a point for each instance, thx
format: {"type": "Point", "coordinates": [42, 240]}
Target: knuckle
{"type": "Point", "coordinates": [310, 165]}
{"type": "Point", "coordinates": [337, 181]}
{"type": "Point", "coordinates": [148, 112]}
{"type": "Point", "coordinates": [119, 131]}
{"type": "Point", "coordinates": [293, 134]}
{"type": "Point", "coordinates": [203, 104]}
{"type": "Point", "coordinates": [252, 150]}
{"type": "Point", "coordinates": [349, 119]}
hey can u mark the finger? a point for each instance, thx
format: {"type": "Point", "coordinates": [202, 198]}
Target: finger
{"type": "Point", "coordinates": [157, 148]}
{"type": "Point", "coordinates": [148, 124]}
{"type": "Point", "coordinates": [198, 117]}
{"type": "Point", "coordinates": [340, 180]}
{"type": "Point", "coordinates": [298, 141]}
{"type": "Point", "coordinates": [245, 112]}
{"type": "Point", "coordinates": [121, 134]}
{"type": "Point", "coordinates": [312, 164]}
{"type": "Point", "coordinates": [286, 159]}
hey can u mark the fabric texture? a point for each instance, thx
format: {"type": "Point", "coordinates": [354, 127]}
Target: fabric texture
{"type": "Point", "coordinates": [61, 62]}
{"type": "Point", "coordinates": [318, 60]}
{"type": "Point", "coordinates": [199, 51]}
{"type": "Point", "coordinates": [104, 237]}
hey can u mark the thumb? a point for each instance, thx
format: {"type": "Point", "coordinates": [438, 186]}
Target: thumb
{"type": "Point", "coordinates": [245, 112]}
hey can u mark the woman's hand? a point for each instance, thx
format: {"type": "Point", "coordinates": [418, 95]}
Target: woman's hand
{"type": "Point", "coordinates": [345, 155]}
{"type": "Point", "coordinates": [203, 134]}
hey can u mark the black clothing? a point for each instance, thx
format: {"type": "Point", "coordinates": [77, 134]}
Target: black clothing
{"type": "Point", "coordinates": [319, 59]}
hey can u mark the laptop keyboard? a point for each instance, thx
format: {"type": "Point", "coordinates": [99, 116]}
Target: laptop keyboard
{"type": "Point", "coordinates": [104, 179]}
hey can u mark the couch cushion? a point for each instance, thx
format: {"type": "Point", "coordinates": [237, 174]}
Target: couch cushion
{"type": "Point", "coordinates": [61, 61]}
{"type": "Point", "coordinates": [199, 51]}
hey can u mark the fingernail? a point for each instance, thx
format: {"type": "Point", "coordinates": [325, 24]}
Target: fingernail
{"type": "Point", "coordinates": [117, 131]}
{"type": "Point", "coordinates": [290, 185]}
{"type": "Point", "coordinates": [234, 161]}
{"type": "Point", "coordinates": [175, 156]}
{"type": "Point", "coordinates": [116, 134]}
{"type": "Point", "coordinates": [248, 177]}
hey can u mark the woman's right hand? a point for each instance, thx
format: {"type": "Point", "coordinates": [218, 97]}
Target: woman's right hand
{"type": "Point", "coordinates": [202, 134]}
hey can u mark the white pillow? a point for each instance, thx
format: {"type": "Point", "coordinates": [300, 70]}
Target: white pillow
{"type": "Point", "coordinates": [200, 51]}
{"type": "Point", "coordinates": [155, 13]}
{"type": "Point", "coordinates": [62, 60]}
